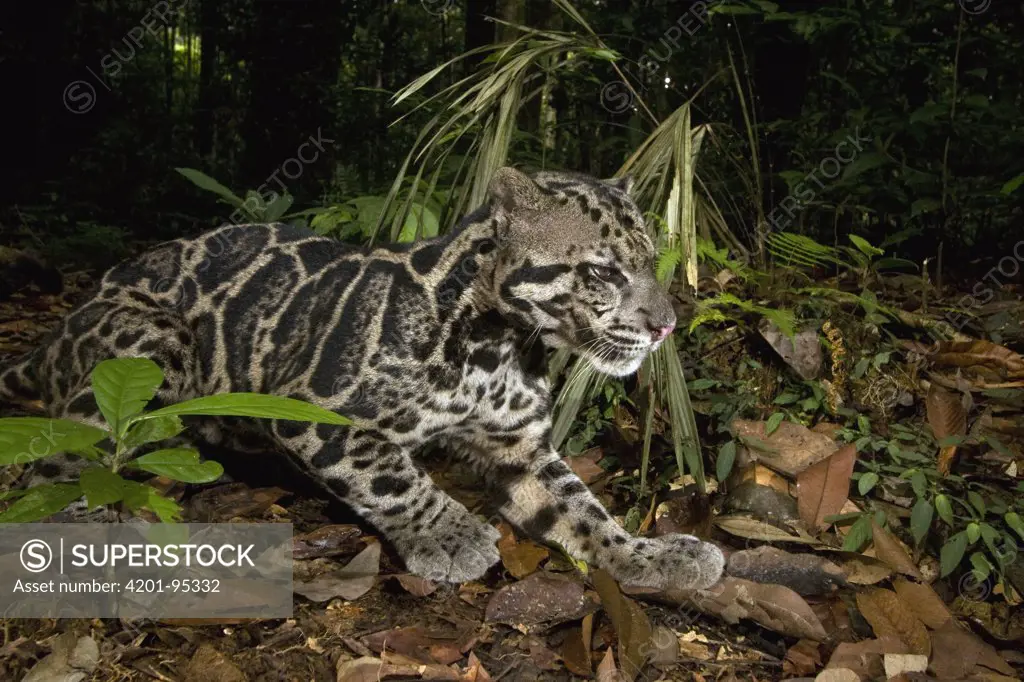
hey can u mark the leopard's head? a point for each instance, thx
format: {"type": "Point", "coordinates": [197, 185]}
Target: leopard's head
{"type": "Point", "coordinates": [575, 264]}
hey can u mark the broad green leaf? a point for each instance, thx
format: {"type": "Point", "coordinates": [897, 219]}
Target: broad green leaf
{"type": "Point", "coordinates": [141, 496]}
{"type": "Point", "coordinates": [973, 532]}
{"type": "Point", "coordinates": [250, 405]}
{"type": "Point", "coordinates": [152, 430]}
{"type": "Point", "coordinates": [1013, 520]}
{"type": "Point", "coordinates": [945, 509]}
{"type": "Point", "coordinates": [977, 502]}
{"type": "Point", "coordinates": [701, 384]}
{"type": "Point", "coordinates": [179, 464]}
{"type": "Point", "coordinates": [1012, 185]}
{"type": "Point", "coordinates": [726, 458]}
{"type": "Point", "coordinates": [773, 423]}
{"type": "Point", "coordinates": [102, 486]}
{"type": "Point", "coordinates": [11, 494]}
{"type": "Point", "coordinates": [919, 483]}
{"type": "Point", "coordinates": [863, 163]}
{"type": "Point", "coordinates": [25, 439]}
{"type": "Point", "coordinates": [860, 533]}
{"type": "Point", "coordinates": [865, 246]}
{"type": "Point", "coordinates": [952, 553]}
{"type": "Point", "coordinates": [204, 181]}
{"type": "Point", "coordinates": [277, 208]}
{"type": "Point", "coordinates": [921, 519]}
{"type": "Point", "coordinates": [982, 567]}
{"type": "Point", "coordinates": [40, 502]}
{"type": "Point", "coordinates": [867, 482]}
{"type": "Point", "coordinates": [122, 387]}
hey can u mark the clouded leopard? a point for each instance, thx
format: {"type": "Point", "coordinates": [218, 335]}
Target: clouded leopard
{"type": "Point", "coordinates": [437, 341]}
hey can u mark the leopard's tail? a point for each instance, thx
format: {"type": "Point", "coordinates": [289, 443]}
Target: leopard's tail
{"type": "Point", "coordinates": [18, 379]}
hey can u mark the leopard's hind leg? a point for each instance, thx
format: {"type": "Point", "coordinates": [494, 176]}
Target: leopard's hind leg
{"type": "Point", "coordinates": [103, 329]}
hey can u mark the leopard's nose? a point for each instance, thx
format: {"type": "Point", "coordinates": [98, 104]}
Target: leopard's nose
{"type": "Point", "coordinates": [662, 332]}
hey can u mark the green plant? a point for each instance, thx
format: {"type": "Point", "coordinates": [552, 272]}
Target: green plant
{"type": "Point", "coordinates": [796, 250]}
{"type": "Point", "coordinates": [122, 387]}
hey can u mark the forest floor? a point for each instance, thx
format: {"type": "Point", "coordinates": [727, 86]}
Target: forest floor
{"type": "Point", "coordinates": [936, 451]}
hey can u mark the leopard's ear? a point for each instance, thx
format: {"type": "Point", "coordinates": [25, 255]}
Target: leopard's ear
{"type": "Point", "coordinates": [624, 184]}
{"type": "Point", "coordinates": [512, 190]}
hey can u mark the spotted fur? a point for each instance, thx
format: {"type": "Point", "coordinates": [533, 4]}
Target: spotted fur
{"type": "Point", "coordinates": [439, 341]}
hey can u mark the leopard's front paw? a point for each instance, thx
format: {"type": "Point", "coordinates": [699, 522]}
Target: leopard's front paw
{"type": "Point", "coordinates": [673, 562]}
{"type": "Point", "coordinates": [454, 551]}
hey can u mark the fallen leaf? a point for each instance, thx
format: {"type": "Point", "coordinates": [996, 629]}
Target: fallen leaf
{"type": "Point", "coordinates": [946, 417]}
{"type": "Point", "coordinates": [923, 602]}
{"type": "Point", "coordinates": [541, 599]}
{"type": "Point", "coordinates": [837, 675]}
{"type": "Point", "coordinates": [71, 659]}
{"type": "Point", "coordinates": [805, 574]}
{"type": "Point", "coordinates": [630, 622]}
{"type": "Point", "coordinates": [664, 647]}
{"type": "Point", "coordinates": [889, 618]}
{"type": "Point", "coordinates": [802, 352]}
{"type": "Point", "coordinates": [865, 658]}
{"type": "Point", "coordinates": [865, 570]}
{"type": "Point", "coordinates": [897, 664]}
{"type": "Point", "coordinates": [585, 465]}
{"type": "Point", "coordinates": [520, 558]}
{"type": "Point", "coordinates": [958, 653]}
{"type": "Point", "coordinates": [350, 582]}
{"type": "Point", "coordinates": [365, 669]}
{"type": "Point", "coordinates": [890, 550]}
{"type": "Point", "coordinates": [576, 652]}
{"type": "Point", "coordinates": [326, 541]}
{"type": "Point", "coordinates": [790, 449]}
{"type": "Point", "coordinates": [754, 529]}
{"type": "Point", "coordinates": [802, 659]}
{"type": "Point", "coordinates": [209, 664]}
{"type": "Point", "coordinates": [229, 501]}
{"type": "Point", "coordinates": [475, 671]}
{"type": "Point", "coordinates": [823, 488]}
{"type": "Point", "coordinates": [415, 585]}
{"type": "Point", "coordinates": [776, 607]}
{"type": "Point", "coordinates": [416, 643]}
{"type": "Point", "coordinates": [978, 353]}
{"type": "Point", "coordinates": [606, 670]}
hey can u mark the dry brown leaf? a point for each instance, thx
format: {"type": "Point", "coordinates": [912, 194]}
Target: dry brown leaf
{"type": "Point", "coordinates": [630, 622]}
{"type": "Point", "coordinates": [576, 653]}
{"type": "Point", "coordinates": [776, 607]}
{"type": "Point", "coordinates": [365, 669]}
{"type": "Point", "coordinates": [475, 671]}
{"type": "Point", "coordinates": [923, 602]}
{"type": "Point", "coordinates": [790, 449]}
{"type": "Point", "coordinates": [539, 600]}
{"type": "Point", "coordinates": [744, 526]}
{"type": "Point", "coordinates": [890, 550]}
{"type": "Point", "coordinates": [865, 658]}
{"type": "Point", "coordinates": [889, 618]}
{"type": "Point", "coordinates": [415, 644]}
{"type": "Point", "coordinates": [979, 353]}
{"type": "Point", "coordinates": [866, 570]}
{"type": "Point", "coordinates": [959, 653]}
{"type": "Point", "coordinates": [327, 541]}
{"type": "Point", "coordinates": [947, 417]}
{"type": "Point", "coordinates": [209, 664]}
{"type": "Point", "coordinates": [585, 465]}
{"type": "Point", "coordinates": [415, 585]}
{"type": "Point", "coordinates": [822, 490]}
{"type": "Point", "coordinates": [802, 351]}
{"type": "Point", "coordinates": [837, 675]}
{"type": "Point", "coordinates": [520, 558]}
{"type": "Point", "coordinates": [802, 659]}
{"type": "Point", "coordinates": [350, 582]}
{"type": "Point", "coordinates": [606, 670]}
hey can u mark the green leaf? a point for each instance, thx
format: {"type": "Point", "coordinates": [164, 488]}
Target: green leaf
{"type": "Point", "coordinates": [860, 533]}
{"type": "Point", "coordinates": [924, 205]}
{"type": "Point", "coordinates": [701, 384]}
{"type": "Point", "coordinates": [250, 405]}
{"type": "Point", "coordinates": [277, 208]}
{"type": "Point", "coordinates": [865, 246]}
{"type": "Point", "coordinates": [122, 387]}
{"type": "Point", "coordinates": [863, 164]}
{"type": "Point", "coordinates": [26, 439]}
{"type": "Point", "coordinates": [141, 496]}
{"type": "Point", "coordinates": [921, 519]}
{"type": "Point", "coordinates": [1013, 520]}
{"type": "Point", "coordinates": [977, 502]}
{"type": "Point", "coordinates": [1012, 185]}
{"type": "Point", "coordinates": [773, 423]}
{"type": "Point", "coordinates": [863, 424]}
{"type": "Point", "coordinates": [867, 482]}
{"type": "Point", "coordinates": [919, 483]}
{"type": "Point", "coordinates": [40, 502]}
{"type": "Point", "coordinates": [973, 532]}
{"type": "Point", "coordinates": [945, 509]}
{"type": "Point", "coordinates": [982, 567]}
{"type": "Point", "coordinates": [152, 430]}
{"type": "Point", "coordinates": [952, 553]}
{"type": "Point", "coordinates": [726, 458]}
{"type": "Point", "coordinates": [102, 486]}
{"type": "Point", "coordinates": [204, 181]}
{"type": "Point", "coordinates": [179, 464]}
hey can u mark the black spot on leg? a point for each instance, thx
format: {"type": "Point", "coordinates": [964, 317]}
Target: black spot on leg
{"type": "Point", "coordinates": [47, 469]}
{"type": "Point", "coordinates": [541, 522]}
{"type": "Point", "coordinates": [573, 488]}
{"type": "Point", "coordinates": [327, 456]}
{"type": "Point", "coordinates": [389, 485]}
{"type": "Point", "coordinates": [583, 529]}
{"type": "Point", "coordinates": [339, 487]}
{"type": "Point", "coordinates": [597, 512]}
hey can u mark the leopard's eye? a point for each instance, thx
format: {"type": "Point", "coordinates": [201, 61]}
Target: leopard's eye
{"type": "Point", "coordinates": [603, 273]}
